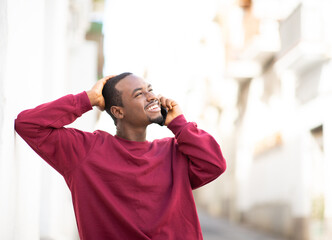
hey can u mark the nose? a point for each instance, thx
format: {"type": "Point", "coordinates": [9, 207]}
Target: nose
{"type": "Point", "coordinates": [150, 96]}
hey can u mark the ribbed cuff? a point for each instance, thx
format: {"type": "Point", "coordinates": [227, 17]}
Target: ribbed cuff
{"type": "Point", "coordinates": [177, 124]}
{"type": "Point", "coordinates": [83, 103]}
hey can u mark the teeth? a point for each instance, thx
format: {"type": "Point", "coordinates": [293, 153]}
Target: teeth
{"type": "Point", "coordinates": [153, 107]}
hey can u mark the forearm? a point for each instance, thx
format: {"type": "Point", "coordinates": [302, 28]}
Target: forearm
{"type": "Point", "coordinates": [55, 114]}
{"type": "Point", "coordinates": [206, 161]}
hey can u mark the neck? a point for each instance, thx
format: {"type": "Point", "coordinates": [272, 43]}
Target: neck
{"type": "Point", "coordinates": [130, 133]}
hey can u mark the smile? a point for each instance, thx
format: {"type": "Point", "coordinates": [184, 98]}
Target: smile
{"type": "Point", "coordinates": [153, 108]}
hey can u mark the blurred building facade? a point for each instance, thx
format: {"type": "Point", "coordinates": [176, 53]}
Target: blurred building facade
{"type": "Point", "coordinates": [255, 74]}
{"type": "Point", "coordinates": [44, 54]}
{"type": "Point", "coordinates": [278, 144]}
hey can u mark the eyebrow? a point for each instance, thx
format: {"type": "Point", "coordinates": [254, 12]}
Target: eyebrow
{"type": "Point", "coordinates": [139, 89]}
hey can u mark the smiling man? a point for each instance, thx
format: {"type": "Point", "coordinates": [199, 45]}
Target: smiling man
{"type": "Point", "coordinates": [122, 186]}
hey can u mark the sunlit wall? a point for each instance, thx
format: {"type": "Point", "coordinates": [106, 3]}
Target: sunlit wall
{"type": "Point", "coordinates": [43, 56]}
{"type": "Point", "coordinates": [281, 63]}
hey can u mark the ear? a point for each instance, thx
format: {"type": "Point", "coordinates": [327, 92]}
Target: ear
{"type": "Point", "coordinates": [117, 112]}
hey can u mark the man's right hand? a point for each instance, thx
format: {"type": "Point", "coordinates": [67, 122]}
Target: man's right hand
{"type": "Point", "coordinates": [95, 93]}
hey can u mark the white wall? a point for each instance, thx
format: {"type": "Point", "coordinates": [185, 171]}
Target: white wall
{"type": "Point", "coordinates": [289, 173]}
{"type": "Point", "coordinates": [38, 64]}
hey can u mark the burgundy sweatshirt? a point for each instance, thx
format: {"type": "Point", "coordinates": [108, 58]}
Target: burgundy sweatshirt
{"type": "Point", "coordinates": [124, 189]}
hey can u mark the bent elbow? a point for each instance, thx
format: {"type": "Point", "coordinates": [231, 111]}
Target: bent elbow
{"type": "Point", "coordinates": [221, 166]}
{"type": "Point", "coordinates": [22, 127]}
{"type": "Point", "coordinates": [200, 177]}
{"type": "Point", "coordinates": [18, 126]}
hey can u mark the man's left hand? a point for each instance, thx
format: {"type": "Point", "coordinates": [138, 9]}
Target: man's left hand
{"type": "Point", "coordinates": [172, 107]}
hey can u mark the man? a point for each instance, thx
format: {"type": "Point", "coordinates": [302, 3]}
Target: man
{"type": "Point", "coordinates": [122, 186]}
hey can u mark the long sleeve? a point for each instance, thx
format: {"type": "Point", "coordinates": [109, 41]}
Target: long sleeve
{"type": "Point", "coordinates": [206, 161]}
{"type": "Point", "coordinates": [43, 129]}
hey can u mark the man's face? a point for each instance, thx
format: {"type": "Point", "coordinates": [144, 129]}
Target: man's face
{"type": "Point", "coordinates": [141, 107]}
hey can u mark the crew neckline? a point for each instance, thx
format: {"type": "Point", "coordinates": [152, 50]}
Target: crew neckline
{"type": "Point", "coordinates": [146, 142]}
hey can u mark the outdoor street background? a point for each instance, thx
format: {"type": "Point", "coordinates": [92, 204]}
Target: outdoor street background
{"type": "Point", "coordinates": [220, 229]}
{"type": "Point", "coordinates": [256, 74]}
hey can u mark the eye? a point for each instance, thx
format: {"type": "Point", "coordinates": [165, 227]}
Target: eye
{"type": "Point", "coordinates": [138, 94]}
{"type": "Point", "coordinates": [151, 90]}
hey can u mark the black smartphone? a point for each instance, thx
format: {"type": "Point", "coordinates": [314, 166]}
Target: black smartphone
{"type": "Point", "coordinates": [164, 114]}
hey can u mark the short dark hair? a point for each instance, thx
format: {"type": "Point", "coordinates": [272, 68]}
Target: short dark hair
{"type": "Point", "coordinates": [111, 95]}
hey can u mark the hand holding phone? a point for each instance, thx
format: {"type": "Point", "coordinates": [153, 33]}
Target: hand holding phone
{"type": "Point", "coordinates": [169, 109]}
{"type": "Point", "coordinates": [164, 114]}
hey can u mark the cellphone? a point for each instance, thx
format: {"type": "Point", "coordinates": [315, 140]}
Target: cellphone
{"type": "Point", "coordinates": [164, 114]}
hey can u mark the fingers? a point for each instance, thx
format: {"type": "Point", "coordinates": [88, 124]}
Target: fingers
{"type": "Point", "coordinates": [101, 83]}
{"type": "Point", "coordinates": [95, 93]}
{"type": "Point", "coordinates": [167, 102]}
{"type": "Point", "coordinates": [106, 78]}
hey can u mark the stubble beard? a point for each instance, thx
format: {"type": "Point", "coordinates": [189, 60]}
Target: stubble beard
{"type": "Point", "coordinates": [157, 120]}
